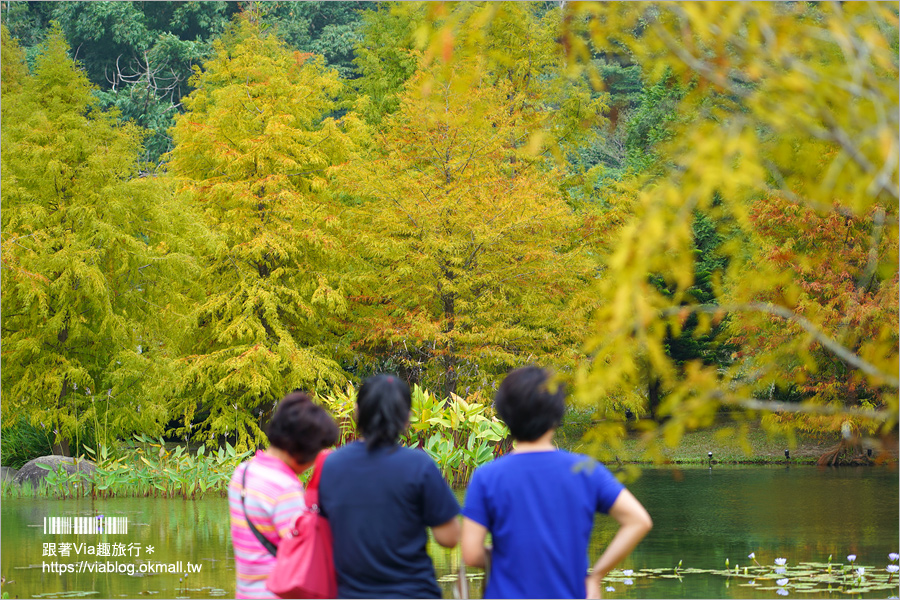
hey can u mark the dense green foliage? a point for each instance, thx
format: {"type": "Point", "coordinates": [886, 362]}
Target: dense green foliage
{"type": "Point", "coordinates": [92, 264]}
{"type": "Point", "coordinates": [683, 208]}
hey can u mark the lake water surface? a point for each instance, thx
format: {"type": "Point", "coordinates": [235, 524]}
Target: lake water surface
{"type": "Point", "coordinates": [702, 517]}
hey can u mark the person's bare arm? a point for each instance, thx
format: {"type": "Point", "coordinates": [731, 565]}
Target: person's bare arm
{"type": "Point", "coordinates": [447, 534]}
{"type": "Point", "coordinates": [473, 536]}
{"type": "Point", "coordinates": [634, 523]}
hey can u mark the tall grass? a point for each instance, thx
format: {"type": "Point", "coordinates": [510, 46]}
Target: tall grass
{"type": "Point", "coordinates": [21, 442]}
{"type": "Point", "coordinates": [149, 470]}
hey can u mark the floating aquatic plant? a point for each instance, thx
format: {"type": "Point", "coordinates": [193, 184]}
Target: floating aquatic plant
{"type": "Point", "coordinates": [814, 579]}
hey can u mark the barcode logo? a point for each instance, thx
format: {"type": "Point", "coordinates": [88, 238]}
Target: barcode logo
{"type": "Point", "coordinates": [86, 525]}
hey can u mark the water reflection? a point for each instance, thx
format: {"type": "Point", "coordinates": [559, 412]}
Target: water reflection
{"type": "Point", "coordinates": [701, 518]}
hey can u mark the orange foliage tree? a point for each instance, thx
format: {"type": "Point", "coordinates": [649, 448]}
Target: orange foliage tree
{"type": "Point", "coordinates": [471, 262]}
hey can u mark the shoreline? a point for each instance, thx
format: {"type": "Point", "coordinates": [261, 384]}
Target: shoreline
{"type": "Point", "coordinates": [728, 447]}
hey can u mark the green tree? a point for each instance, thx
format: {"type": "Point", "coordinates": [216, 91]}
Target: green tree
{"type": "Point", "coordinates": [91, 258]}
{"type": "Point", "coordinates": [386, 56]}
{"type": "Point", "coordinates": [329, 29]}
{"type": "Point", "coordinates": [471, 260]}
{"type": "Point", "coordinates": [516, 45]}
{"type": "Point", "coordinates": [251, 153]}
{"type": "Point", "coordinates": [138, 54]}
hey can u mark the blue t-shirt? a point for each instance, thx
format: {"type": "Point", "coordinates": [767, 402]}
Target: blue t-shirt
{"type": "Point", "coordinates": [539, 508]}
{"type": "Point", "coordinates": [379, 505]}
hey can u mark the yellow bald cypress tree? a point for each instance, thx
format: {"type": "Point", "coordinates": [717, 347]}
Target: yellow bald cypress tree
{"type": "Point", "coordinates": [251, 152]}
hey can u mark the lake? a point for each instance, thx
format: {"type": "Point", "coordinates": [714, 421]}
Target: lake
{"type": "Point", "coordinates": [702, 517]}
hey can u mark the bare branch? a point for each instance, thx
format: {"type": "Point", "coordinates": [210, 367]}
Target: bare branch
{"type": "Point", "coordinates": [790, 196]}
{"type": "Point", "coordinates": [779, 311]}
{"type": "Point", "coordinates": [804, 407]}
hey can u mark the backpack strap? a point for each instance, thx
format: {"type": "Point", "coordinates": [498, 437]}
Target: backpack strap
{"type": "Point", "coordinates": [268, 545]}
{"type": "Point", "coordinates": [311, 497]}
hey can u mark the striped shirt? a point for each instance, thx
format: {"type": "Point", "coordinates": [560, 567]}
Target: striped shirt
{"type": "Point", "coordinates": [274, 500]}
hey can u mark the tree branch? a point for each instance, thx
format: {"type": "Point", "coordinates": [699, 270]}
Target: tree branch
{"type": "Point", "coordinates": [779, 311]}
{"type": "Point", "coordinates": [805, 407]}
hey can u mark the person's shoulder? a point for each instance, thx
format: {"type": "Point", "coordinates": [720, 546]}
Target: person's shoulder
{"type": "Point", "coordinates": [348, 449]}
{"type": "Point", "coordinates": [341, 456]}
{"type": "Point", "coordinates": [575, 458]}
{"type": "Point", "coordinates": [496, 467]}
{"type": "Point", "coordinates": [592, 470]}
{"type": "Point", "coordinates": [581, 461]}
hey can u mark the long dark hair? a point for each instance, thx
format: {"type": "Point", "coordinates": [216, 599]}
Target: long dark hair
{"type": "Point", "coordinates": [301, 428]}
{"type": "Point", "coordinates": [383, 403]}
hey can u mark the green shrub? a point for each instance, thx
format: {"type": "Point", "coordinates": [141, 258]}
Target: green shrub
{"type": "Point", "coordinates": [460, 434]}
{"type": "Point", "coordinates": [21, 442]}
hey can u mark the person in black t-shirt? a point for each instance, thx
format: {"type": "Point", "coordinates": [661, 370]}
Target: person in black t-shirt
{"type": "Point", "coordinates": [380, 498]}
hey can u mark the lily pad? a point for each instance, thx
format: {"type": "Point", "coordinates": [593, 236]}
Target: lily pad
{"type": "Point", "coordinates": [656, 570]}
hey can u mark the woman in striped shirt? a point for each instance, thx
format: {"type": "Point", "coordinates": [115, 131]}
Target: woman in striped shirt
{"type": "Point", "coordinates": [297, 432]}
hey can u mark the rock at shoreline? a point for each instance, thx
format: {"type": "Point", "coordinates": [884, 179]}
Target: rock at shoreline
{"type": "Point", "coordinates": [33, 474]}
{"type": "Point", "coordinates": [7, 473]}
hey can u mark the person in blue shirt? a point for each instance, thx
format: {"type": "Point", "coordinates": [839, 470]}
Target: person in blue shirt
{"type": "Point", "coordinates": [538, 503]}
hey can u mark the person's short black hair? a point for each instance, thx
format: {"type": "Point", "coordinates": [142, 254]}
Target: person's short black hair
{"type": "Point", "coordinates": [530, 403]}
{"type": "Point", "coordinates": [383, 405]}
{"type": "Point", "coordinates": [301, 428]}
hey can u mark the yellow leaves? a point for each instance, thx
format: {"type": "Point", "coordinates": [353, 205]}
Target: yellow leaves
{"type": "Point", "coordinates": [535, 142]}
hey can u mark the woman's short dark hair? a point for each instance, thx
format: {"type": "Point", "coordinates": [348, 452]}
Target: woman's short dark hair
{"type": "Point", "coordinates": [383, 403]}
{"type": "Point", "coordinates": [301, 428]}
{"type": "Point", "coordinates": [530, 403]}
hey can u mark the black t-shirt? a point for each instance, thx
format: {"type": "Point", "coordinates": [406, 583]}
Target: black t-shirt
{"type": "Point", "coordinates": [379, 504]}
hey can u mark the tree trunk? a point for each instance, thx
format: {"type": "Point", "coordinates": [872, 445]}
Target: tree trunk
{"type": "Point", "coordinates": [449, 359]}
{"type": "Point", "coordinates": [653, 398]}
{"type": "Point", "coordinates": [61, 445]}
